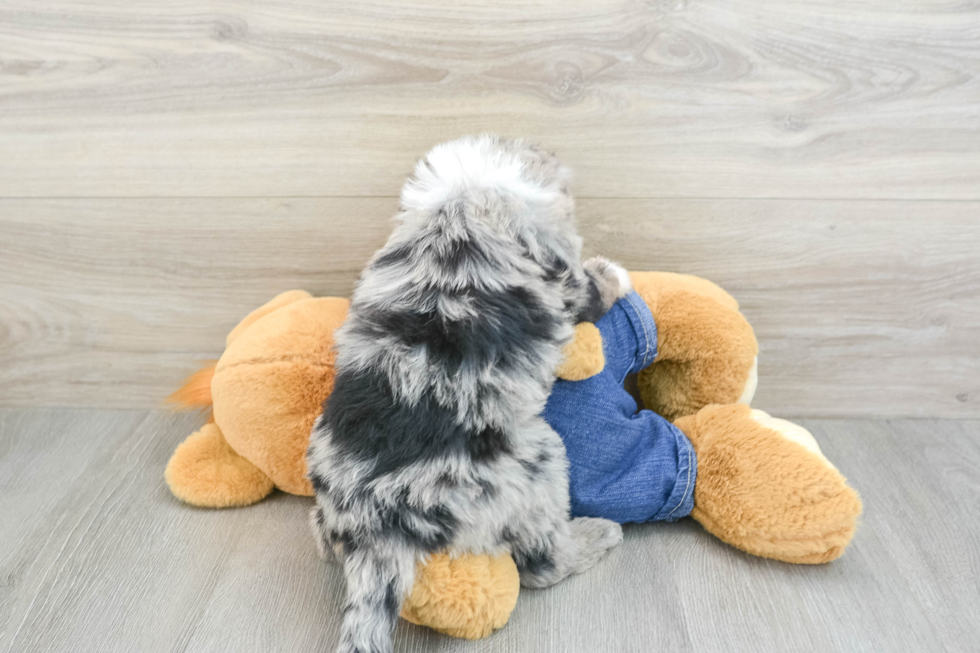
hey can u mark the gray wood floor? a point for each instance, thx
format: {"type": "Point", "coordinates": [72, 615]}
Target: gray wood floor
{"type": "Point", "coordinates": [96, 555]}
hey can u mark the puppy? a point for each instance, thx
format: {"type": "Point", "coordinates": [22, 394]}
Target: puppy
{"type": "Point", "coordinates": [431, 439]}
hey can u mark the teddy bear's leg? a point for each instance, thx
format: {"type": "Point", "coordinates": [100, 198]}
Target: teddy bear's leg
{"type": "Point", "coordinates": [764, 486]}
{"type": "Point", "coordinates": [205, 471]}
{"type": "Point", "coordinates": [706, 348]}
{"type": "Point", "coordinates": [469, 596]}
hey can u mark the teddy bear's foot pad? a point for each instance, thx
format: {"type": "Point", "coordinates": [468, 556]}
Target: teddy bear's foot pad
{"type": "Point", "coordinates": [205, 471]}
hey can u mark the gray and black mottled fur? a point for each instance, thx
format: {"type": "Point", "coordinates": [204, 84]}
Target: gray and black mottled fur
{"type": "Point", "coordinates": [432, 439]}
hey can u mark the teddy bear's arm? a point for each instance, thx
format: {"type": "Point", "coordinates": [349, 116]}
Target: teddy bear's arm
{"type": "Point", "coordinates": [205, 471]}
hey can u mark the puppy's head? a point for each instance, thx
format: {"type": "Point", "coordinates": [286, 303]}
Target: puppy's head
{"type": "Point", "coordinates": [485, 162]}
{"type": "Point", "coordinates": [518, 186]}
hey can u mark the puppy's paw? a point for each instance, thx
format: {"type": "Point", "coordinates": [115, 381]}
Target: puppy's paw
{"type": "Point", "coordinates": [594, 537]}
{"type": "Point", "coordinates": [612, 280]}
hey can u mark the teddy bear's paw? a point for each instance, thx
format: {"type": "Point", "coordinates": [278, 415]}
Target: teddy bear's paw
{"type": "Point", "coordinates": [583, 356]}
{"type": "Point", "coordinates": [612, 279]}
{"type": "Point", "coordinates": [790, 431]}
{"type": "Point", "coordinates": [469, 596]}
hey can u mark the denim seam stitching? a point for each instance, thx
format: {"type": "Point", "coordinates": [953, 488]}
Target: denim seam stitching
{"type": "Point", "coordinates": [684, 495]}
{"type": "Point", "coordinates": [648, 360]}
{"type": "Point", "coordinates": [631, 299]}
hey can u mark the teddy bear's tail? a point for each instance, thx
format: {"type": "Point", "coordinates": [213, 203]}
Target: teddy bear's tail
{"type": "Point", "coordinates": [196, 391]}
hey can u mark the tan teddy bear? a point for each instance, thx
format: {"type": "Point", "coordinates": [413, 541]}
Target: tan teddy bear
{"type": "Point", "coordinates": [762, 484]}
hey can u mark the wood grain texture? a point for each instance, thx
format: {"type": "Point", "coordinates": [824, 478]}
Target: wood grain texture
{"type": "Point", "coordinates": [657, 98]}
{"type": "Point", "coordinates": [96, 555]}
{"type": "Point", "coordinates": [860, 307]}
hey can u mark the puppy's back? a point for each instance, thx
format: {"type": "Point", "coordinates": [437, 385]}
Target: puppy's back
{"type": "Point", "coordinates": [455, 327]}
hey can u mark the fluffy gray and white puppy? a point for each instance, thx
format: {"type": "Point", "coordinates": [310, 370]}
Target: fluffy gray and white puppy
{"type": "Point", "coordinates": [431, 439]}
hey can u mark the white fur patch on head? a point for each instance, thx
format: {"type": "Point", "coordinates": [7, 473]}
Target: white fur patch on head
{"type": "Point", "coordinates": [466, 163]}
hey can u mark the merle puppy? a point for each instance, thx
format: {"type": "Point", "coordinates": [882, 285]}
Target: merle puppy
{"type": "Point", "coordinates": [431, 439]}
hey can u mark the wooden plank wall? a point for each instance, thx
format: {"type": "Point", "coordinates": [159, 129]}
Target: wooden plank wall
{"type": "Point", "coordinates": [166, 167]}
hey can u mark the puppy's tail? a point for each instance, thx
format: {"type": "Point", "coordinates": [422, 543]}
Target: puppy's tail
{"type": "Point", "coordinates": [196, 391]}
{"type": "Point", "coordinates": [377, 584]}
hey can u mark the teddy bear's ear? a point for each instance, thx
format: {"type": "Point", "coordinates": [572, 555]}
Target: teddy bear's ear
{"type": "Point", "coordinates": [583, 355]}
{"type": "Point", "coordinates": [279, 301]}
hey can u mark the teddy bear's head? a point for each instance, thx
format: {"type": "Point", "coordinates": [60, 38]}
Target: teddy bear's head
{"type": "Point", "coordinates": [270, 384]}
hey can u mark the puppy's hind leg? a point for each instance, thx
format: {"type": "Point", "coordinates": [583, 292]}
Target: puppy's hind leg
{"type": "Point", "coordinates": [327, 547]}
{"type": "Point", "coordinates": [379, 577]}
{"type": "Point", "coordinates": [571, 548]}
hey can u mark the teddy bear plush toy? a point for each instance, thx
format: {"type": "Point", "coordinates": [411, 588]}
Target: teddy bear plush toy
{"type": "Point", "coordinates": [758, 483]}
